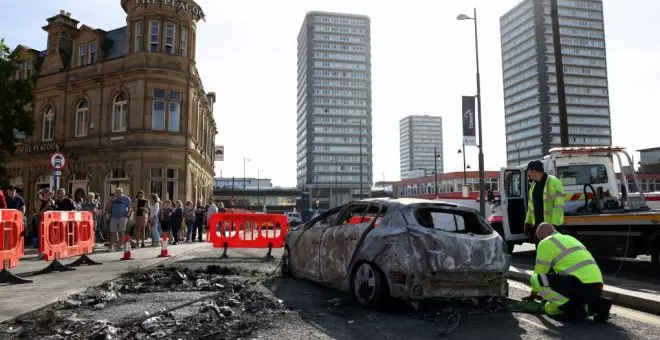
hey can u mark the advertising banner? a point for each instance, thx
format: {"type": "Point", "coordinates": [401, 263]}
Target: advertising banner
{"type": "Point", "coordinates": [469, 121]}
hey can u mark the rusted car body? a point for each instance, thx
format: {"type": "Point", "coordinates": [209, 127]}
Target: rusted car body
{"type": "Point", "coordinates": [409, 249]}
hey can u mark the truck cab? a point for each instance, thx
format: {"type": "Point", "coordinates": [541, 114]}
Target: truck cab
{"type": "Point", "coordinates": [590, 187]}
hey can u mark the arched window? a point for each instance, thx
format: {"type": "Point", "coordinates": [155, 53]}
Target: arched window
{"type": "Point", "coordinates": [82, 118]}
{"type": "Point", "coordinates": [48, 125]}
{"type": "Point", "coordinates": [119, 113]}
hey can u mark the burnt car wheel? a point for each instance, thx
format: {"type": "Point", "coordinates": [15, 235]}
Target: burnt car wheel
{"type": "Point", "coordinates": [285, 267]}
{"type": "Point", "coordinates": [368, 284]}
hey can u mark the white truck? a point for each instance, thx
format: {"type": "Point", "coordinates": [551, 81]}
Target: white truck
{"type": "Point", "coordinates": [598, 210]}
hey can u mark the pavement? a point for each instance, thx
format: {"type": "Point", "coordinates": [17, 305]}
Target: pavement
{"type": "Point", "coordinates": [48, 288]}
{"type": "Point", "coordinates": [642, 293]}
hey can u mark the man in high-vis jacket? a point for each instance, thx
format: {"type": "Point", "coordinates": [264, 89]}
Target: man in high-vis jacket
{"type": "Point", "coordinates": [567, 277]}
{"type": "Point", "coordinates": [546, 198]}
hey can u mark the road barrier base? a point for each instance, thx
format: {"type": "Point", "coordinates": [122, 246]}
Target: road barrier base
{"type": "Point", "coordinates": [55, 266]}
{"type": "Point", "coordinates": [269, 255]}
{"type": "Point", "coordinates": [84, 259]}
{"type": "Point", "coordinates": [7, 277]}
{"type": "Point", "coordinates": [224, 251]}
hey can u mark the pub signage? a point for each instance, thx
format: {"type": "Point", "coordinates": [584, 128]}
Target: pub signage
{"type": "Point", "coordinates": [178, 4]}
{"type": "Point", "coordinates": [40, 148]}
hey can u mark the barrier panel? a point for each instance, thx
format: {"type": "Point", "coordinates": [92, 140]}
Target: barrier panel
{"type": "Point", "coordinates": [247, 231]}
{"type": "Point", "coordinates": [12, 240]}
{"type": "Point", "coordinates": [64, 234]}
{"type": "Point", "coordinates": [363, 219]}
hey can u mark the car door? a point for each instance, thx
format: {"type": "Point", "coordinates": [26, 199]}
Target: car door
{"type": "Point", "coordinates": [514, 203]}
{"type": "Point", "coordinates": [305, 252]}
{"type": "Point", "coordinates": [340, 241]}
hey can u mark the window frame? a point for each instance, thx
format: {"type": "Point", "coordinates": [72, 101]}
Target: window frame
{"type": "Point", "coordinates": [84, 125]}
{"type": "Point", "coordinates": [92, 52]}
{"type": "Point", "coordinates": [168, 101]}
{"type": "Point", "coordinates": [177, 102]}
{"type": "Point", "coordinates": [138, 36]}
{"type": "Point", "coordinates": [49, 115]}
{"type": "Point", "coordinates": [163, 181]}
{"type": "Point", "coordinates": [166, 36]}
{"type": "Point", "coordinates": [183, 41]}
{"type": "Point", "coordinates": [155, 100]}
{"type": "Point", "coordinates": [155, 42]}
{"type": "Point", "coordinates": [82, 54]}
{"type": "Point", "coordinates": [123, 116]}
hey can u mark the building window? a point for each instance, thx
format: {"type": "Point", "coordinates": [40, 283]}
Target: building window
{"type": "Point", "coordinates": [154, 28]}
{"type": "Point", "coordinates": [49, 125]}
{"type": "Point", "coordinates": [119, 113]}
{"type": "Point", "coordinates": [82, 118]}
{"type": "Point", "coordinates": [164, 183]}
{"type": "Point", "coordinates": [183, 45]}
{"type": "Point", "coordinates": [174, 112]}
{"type": "Point", "coordinates": [162, 120]}
{"type": "Point", "coordinates": [158, 110]}
{"type": "Point", "coordinates": [27, 69]}
{"type": "Point", "coordinates": [170, 32]}
{"type": "Point", "coordinates": [92, 52]}
{"type": "Point", "coordinates": [82, 55]}
{"type": "Point", "coordinates": [138, 44]}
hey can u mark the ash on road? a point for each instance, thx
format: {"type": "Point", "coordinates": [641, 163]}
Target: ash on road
{"type": "Point", "coordinates": [208, 298]}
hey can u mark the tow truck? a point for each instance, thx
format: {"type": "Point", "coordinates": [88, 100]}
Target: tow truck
{"type": "Point", "coordinates": [599, 210]}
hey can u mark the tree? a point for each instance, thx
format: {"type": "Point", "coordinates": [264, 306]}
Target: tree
{"type": "Point", "coordinates": [16, 107]}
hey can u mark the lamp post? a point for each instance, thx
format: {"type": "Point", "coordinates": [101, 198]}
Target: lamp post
{"type": "Point", "coordinates": [334, 195]}
{"type": "Point", "coordinates": [436, 155]}
{"type": "Point", "coordinates": [464, 164]}
{"type": "Point", "coordinates": [360, 158]}
{"type": "Point", "coordinates": [316, 185]}
{"type": "Point", "coordinates": [518, 149]}
{"type": "Point", "coordinates": [259, 188]}
{"type": "Point", "coordinates": [482, 193]}
{"type": "Point", "coordinates": [245, 205]}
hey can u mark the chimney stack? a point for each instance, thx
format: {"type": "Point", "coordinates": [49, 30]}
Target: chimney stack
{"type": "Point", "coordinates": [62, 12]}
{"type": "Point", "coordinates": [211, 97]}
{"type": "Point", "coordinates": [68, 14]}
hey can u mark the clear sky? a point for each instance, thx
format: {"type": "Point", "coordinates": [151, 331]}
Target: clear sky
{"type": "Point", "coordinates": [422, 62]}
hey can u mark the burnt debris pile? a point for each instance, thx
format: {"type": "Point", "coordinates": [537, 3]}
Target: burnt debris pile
{"type": "Point", "coordinates": [213, 302]}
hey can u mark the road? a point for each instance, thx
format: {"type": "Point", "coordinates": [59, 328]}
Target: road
{"type": "Point", "coordinates": [309, 311]}
{"type": "Point", "coordinates": [638, 269]}
{"type": "Point", "coordinates": [322, 313]}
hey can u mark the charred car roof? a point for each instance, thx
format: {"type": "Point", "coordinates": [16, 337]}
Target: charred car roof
{"type": "Point", "coordinates": [407, 202]}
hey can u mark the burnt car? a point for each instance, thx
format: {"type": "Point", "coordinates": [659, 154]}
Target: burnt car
{"type": "Point", "coordinates": [408, 249]}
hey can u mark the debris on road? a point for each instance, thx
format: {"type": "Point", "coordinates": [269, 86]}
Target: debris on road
{"type": "Point", "coordinates": [162, 303]}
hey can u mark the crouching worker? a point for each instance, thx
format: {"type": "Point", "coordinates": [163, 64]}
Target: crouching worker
{"type": "Point", "coordinates": [567, 278]}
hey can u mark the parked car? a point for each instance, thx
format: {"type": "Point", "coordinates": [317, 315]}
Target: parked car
{"type": "Point", "coordinates": [410, 249]}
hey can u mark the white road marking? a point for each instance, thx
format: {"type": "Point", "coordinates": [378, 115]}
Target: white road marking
{"type": "Point", "coordinates": [538, 325]}
{"type": "Point", "coordinates": [617, 310]}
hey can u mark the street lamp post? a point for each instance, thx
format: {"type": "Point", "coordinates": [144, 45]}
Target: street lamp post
{"type": "Point", "coordinates": [258, 189]}
{"type": "Point", "coordinates": [464, 164]}
{"type": "Point", "coordinates": [316, 185]}
{"type": "Point", "coordinates": [482, 193]}
{"type": "Point", "coordinates": [244, 188]}
{"type": "Point", "coordinates": [518, 149]}
{"type": "Point", "coordinates": [435, 167]}
{"type": "Point", "coordinates": [360, 158]}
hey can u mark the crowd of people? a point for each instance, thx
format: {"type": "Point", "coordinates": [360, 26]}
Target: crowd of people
{"type": "Point", "coordinates": [142, 218]}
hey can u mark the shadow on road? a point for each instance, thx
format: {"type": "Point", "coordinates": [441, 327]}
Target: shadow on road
{"type": "Point", "coordinates": [341, 317]}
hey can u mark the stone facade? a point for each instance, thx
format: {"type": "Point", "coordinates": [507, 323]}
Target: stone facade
{"type": "Point", "coordinates": [127, 107]}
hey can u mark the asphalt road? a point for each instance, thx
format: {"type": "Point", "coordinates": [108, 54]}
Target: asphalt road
{"type": "Point", "coordinates": [638, 269]}
{"type": "Point", "coordinates": [321, 313]}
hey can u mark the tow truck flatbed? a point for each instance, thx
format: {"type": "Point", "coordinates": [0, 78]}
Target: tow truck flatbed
{"type": "Point", "coordinates": [651, 217]}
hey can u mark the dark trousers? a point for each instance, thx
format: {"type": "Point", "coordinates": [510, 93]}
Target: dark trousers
{"type": "Point", "coordinates": [578, 293]}
{"type": "Point", "coordinates": [198, 230]}
{"type": "Point", "coordinates": [175, 231]}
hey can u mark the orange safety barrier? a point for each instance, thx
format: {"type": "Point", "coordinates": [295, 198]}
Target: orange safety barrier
{"type": "Point", "coordinates": [12, 238]}
{"type": "Point", "coordinates": [247, 231]}
{"type": "Point", "coordinates": [64, 234]}
{"type": "Point", "coordinates": [363, 219]}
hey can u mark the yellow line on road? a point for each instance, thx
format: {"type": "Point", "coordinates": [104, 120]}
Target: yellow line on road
{"type": "Point", "coordinates": [619, 311]}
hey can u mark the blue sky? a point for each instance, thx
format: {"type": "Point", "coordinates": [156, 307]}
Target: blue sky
{"type": "Point", "coordinates": [422, 62]}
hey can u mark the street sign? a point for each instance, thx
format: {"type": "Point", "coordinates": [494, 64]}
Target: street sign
{"type": "Point", "coordinates": [56, 173]}
{"type": "Point", "coordinates": [57, 161]}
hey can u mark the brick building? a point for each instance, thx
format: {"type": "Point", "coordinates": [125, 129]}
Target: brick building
{"type": "Point", "coordinates": [126, 106]}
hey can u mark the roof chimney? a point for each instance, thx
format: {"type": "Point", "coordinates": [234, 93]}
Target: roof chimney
{"type": "Point", "coordinates": [62, 12]}
{"type": "Point", "coordinates": [68, 14]}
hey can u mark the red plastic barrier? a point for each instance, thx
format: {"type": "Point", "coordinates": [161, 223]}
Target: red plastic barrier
{"type": "Point", "coordinates": [247, 231]}
{"type": "Point", "coordinates": [12, 232]}
{"type": "Point", "coordinates": [64, 234]}
{"type": "Point", "coordinates": [363, 219]}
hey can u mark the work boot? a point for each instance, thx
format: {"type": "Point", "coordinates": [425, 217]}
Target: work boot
{"type": "Point", "coordinates": [600, 309]}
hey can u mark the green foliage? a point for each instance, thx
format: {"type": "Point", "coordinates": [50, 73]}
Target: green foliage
{"type": "Point", "coordinates": [16, 106]}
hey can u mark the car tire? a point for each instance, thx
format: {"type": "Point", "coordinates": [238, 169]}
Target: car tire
{"type": "Point", "coordinates": [285, 266]}
{"type": "Point", "coordinates": [368, 284]}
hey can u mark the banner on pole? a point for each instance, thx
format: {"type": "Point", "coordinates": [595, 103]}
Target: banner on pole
{"type": "Point", "coordinates": [469, 123]}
